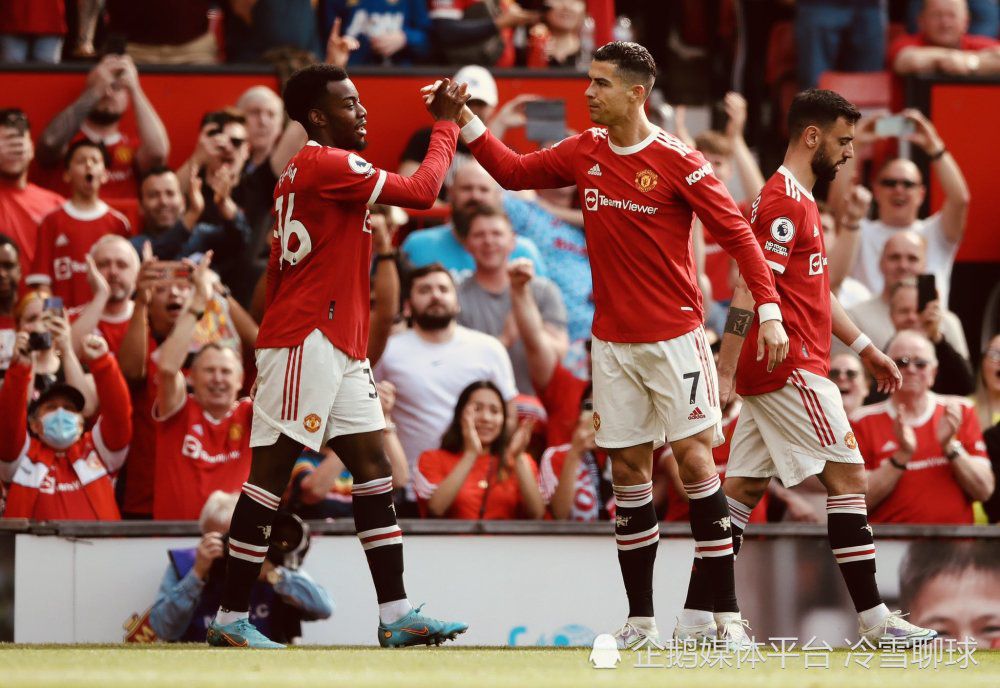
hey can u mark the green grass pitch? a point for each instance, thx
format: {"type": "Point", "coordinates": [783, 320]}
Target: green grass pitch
{"type": "Point", "coordinates": [183, 666]}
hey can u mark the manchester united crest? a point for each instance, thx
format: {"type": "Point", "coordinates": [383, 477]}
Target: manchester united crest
{"type": "Point", "coordinates": [597, 421]}
{"type": "Point", "coordinates": [235, 432]}
{"type": "Point", "coordinates": [645, 180]}
{"type": "Point", "coordinates": [850, 441]}
{"type": "Point", "coordinates": [311, 422]}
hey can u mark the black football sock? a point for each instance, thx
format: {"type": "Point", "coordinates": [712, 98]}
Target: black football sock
{"type": "Point", "coordinates": [713, 540]}
{"type": "Point", "coordinates": [700, 596]}
{"type": "Point", "coordinates": [853, 547]}
{"type": "Point", "coordinates": [249, 534]}
{"type": "Point", "coordinates": [375, 523]}
{"type": "Point", "coordinates": [637, 534]}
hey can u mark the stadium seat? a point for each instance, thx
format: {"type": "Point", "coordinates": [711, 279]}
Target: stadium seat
{"type": "Point", "coordinates": [867, 90]}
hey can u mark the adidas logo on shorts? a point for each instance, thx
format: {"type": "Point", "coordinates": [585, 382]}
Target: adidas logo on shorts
{"type": "Point", "coordinates": [696, 414]}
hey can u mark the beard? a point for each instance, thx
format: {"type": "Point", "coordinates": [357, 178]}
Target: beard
{"type": "Point", "coordinates": [433, 321]}
{"type": "Point", "coordinates": [823, 167]}
{"type": "Point", "coordinates": [103, 117]}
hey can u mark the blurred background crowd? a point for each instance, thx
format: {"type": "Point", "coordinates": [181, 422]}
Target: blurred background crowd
{"type": "Point", "coordinates": [114, 405]}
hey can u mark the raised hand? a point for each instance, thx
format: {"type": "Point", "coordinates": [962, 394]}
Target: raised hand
{"type": "Point", "coordinates": [924, 135]}
{"type": "Point", "coordinates": [98, 285]}
{"type": "Point", "coordinates": [519, 441]}
{"type": "Point", "coordinates": [58, 326]}
{"type": "Point", "coordinates": [386, 395]}
{"type": "Point", "coordinates": [94, 347]}
{"type": "Point", "coordinates": [520, 271]}
{"type": "Point", "coordinates": [907, 438]}
{"type": "Point", "coordinates": [857, 204]}
{"type": "Point", "coordinates": [389, 43]}
{"type": "Point", "coordinates": [204, 281]}
{"type": "Point", "coordinates": [735, 106]}
{"type": "Point", "coordinates": [338, 47]}
{"type": "Point", "coordinates": [448, 100]}
{"type": "Point", "coordinates": [949, 423]}
{"type": "Point", "coordinates": [470, 436]}
{"type": "Point", "coordinates": [22, 349]}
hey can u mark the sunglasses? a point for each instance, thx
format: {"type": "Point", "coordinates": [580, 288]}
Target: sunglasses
{"type": "Point", "coordinates": [906, 362]}
{"type": "Point", "coordinates": [843, 372]}
{"type": "Point", "coordinates": [889, 183]}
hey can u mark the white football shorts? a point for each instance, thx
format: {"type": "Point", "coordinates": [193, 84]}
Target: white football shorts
{"type": "Point", "coordinates": [654, 391]}
{"type": "Point", "coordinates": [792, 432]}
{"type": "Point", "coordinates": [312, 393]}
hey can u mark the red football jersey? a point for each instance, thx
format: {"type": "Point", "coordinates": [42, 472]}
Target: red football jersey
{"type": "Point", "coordinates": [786, 221]}
{"type": "Point", "coordinates": [637, 206]}
{"type": "Point", "coordinates": [21, 211]}
{"type": "Point", "coordinates": [927, 492]}
{"type": "Point", "coordinates": [196, 455]}
{"type": "Point", "coordinates": [502, 497]}
{"type": "Point", "coordinates": [318, 273]}
{"type": "Point", "coordinates": [586, 505]}
{"type": "Point", "coordinates": [113, 328]}
{"type": "Point", "coordinates": [64, 239]}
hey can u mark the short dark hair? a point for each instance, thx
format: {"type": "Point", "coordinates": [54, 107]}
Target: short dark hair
{"type": "Point", "coordinates": [223, 117]}
{"type": "Point", "coordinates": [423, 271]}
{"type": "Point", "coordinates": [154, 171]}
{"type": "Point", "coordinates": [305, 87]}
{"type": "Point", "coordinates": [483, 210]}
{"type": "Point", "coordinates": [15, 119]}
{"type": "Point", "coordinates": [633, 62]}
{"type": "Point", "coordinates": [819, 107]}
{"type": "Point", "coordinates": [453, 441]}
{"type": "Point", "coordinates": [927, 559]}
{"type": "Point", "coordinates": [86, 143]}
{"type": "Point", "coordinates": [7, 241]}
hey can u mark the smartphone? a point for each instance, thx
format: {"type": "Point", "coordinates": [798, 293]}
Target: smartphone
{"type": "Point", "coordinates": [894, 125]}
{"type": "Point", "coordinates": [546, 120]}
{"type": "Point", "coordinates": [53, 304]}
{"type": "Point", "coordinates": [173, 270]}
{"type": "Point", "coordinates": [926, 291]}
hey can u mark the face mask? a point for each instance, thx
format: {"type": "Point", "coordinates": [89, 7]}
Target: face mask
{"type": "Point", "coordinates": [60, 428]}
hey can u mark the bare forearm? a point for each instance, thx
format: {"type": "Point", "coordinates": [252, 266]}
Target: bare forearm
{"type": "Point", "coordinates": [447, 490]}
{"type": "Point", "coordinates": [87, 322]}
{"type": "Point", "coordinates": [844, 328]}
{"type": "Point", "coordinates": [397, 459]}
{"type": "Point", "coordinates": [63, 128]}
{"type": "Point", "coordinates": [154, 143]}
{"type": "Point", "coordinates": [571, 216]}
{"type": "Point", "coordinates": [317, 485]}
{"type": "Point", "coordinates": [747, 168]}
{"type": "Point", "coordinates": [919, 60]}
{"type": "Point", "coordinates": [386, 291]}
{"type": "Point", "coordinates": [562, 499]}
{"type": "Point", "coordinates": [175, 348]}
{"type": "Point", "coordinates": [87, 13]}
{"type": "Point", "coordinates": [132, 354]}
{"type": "Point", "coordinates": [881, 482]}
{"type": "Point", "coordinates": [246, 326]}
{"type": "Point", "coordinates": [974, 476]}
{"type": "Point", "coordinates": [955, 210]}
{"type": "Point", "coordinates": [534, 507]}
{"type": "Point", "coordinates": [541, 356]}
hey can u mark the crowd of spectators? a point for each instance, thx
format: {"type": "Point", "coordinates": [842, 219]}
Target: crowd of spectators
{"type": "Point", "coordinates": [127, 349]}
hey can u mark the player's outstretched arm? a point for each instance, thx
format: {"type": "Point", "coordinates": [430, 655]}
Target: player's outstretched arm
{"type": "Point", "coordinates": [881, 367]}
{"type": "Point", "coordinates": [771, 339]}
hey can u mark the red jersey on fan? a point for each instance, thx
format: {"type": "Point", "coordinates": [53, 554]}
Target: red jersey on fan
{"type": "Point", "coordinates": [786, 221]}
{"type": "Point", "coordinates": [562, 398]}
{"type": "Point", "coordinates": [196, 455]}
{"type": "Point", "coordinates": [64, 239]}
{"type": "Point", "coordinates": [318, 273]}
{"type": "Point", "coordinates": [586, 504]}
{"type": "Point", "coordinates": [34, 17]}
{"type": "Point", "coordinates": [927, 492]}
{"type": "Point", "coordinates": [637, 207]}
{"type": "Point", "coordinates": [21, 211]}
{"type": "Point", "coordinates": [112, 328]}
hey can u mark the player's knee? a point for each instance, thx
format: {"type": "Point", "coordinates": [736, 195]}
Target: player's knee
{"type": "Point", "coordinates": [845, 479]}
{"type": "Point", "coordinates": [746, 491]}
{"type": "Point", "coordinates": [629, 468]}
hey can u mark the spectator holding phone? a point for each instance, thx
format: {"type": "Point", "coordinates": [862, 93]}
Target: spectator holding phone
{"type": "Point", "coordinates": [112, 270]}
{"type": "Point", "coordinates": [96, 114]}
{"type": "Point", "coordinates": [61, 472]}
{"type": "Point", "coordinates": [22, 204]}
{"type": "Point", "coordinates": [899, 192]}
{"type": "Point", "coordinates": [481, 470]}
{"type": "Point", "coordinates": [904, 258]}
{"type": "Point", "coordinates": [10, 279]}
{"type": "Point", "coordinates": [41, 318]}
{"type": "Point", "coordinates": [203, 437]}
{"type": "Point", "coordinates": [923, 452]}
{"type": "Point", "coordinates": [66, 235]}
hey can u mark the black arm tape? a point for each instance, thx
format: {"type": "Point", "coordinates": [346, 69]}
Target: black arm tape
{"type": "Point", "coordinates": [738, 322]}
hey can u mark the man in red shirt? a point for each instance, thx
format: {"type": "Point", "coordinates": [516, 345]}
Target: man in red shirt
{"type": "Point", "coordinates": [66, 235]}
{"type": "Point", "coordinates": [61, 472]}
{"type": "Point", "coordinates": [944, 44]}
{"type": "Point", "coordinates": [793, 424]}
{"type": "Point", "coordinates": [22, 204]}
{"type": "Point", "coordinates": [95, 116]}
{"type": "Point", "coordinates": [112, 270]}
{"type": "Point", "coordinates": [924, 452]}
{"type": "Point", "coordinates": [652, 369]}
{"type": "Point", "coordinates": [202, 438]}
{"type": "Point", "coordinates": [10, 278]}
{"type": "Point", "coordinates": [314, 384]}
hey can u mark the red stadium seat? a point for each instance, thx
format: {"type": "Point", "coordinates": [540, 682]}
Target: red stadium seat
{"type": "Point", "coordinates": [867, 90]}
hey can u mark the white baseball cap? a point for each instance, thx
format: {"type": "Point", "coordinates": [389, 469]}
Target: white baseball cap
{"type": "Point", "coordinates": [481, 84]}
